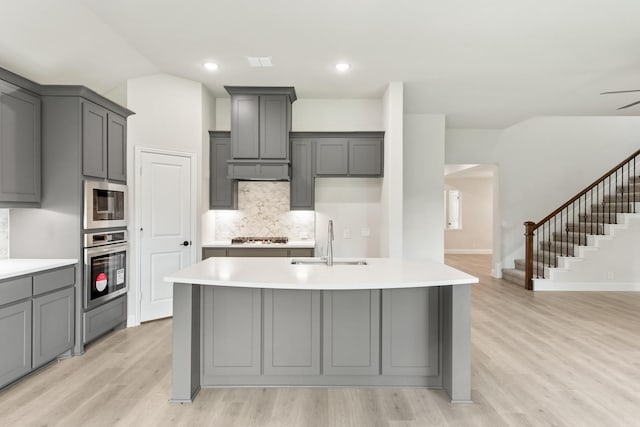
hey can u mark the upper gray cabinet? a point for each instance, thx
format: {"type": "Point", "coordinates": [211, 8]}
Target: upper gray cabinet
{"type": "Point", "coordinates": [223, 193]}
{"type": "Point", "coordinates": [20, 146]}
{"type": "Point", "coordinates": [260, 126]}
{"type": "Point", "coordinates": [302, 186]}
{"type": "Point", "coordinates": [344, 154]}
{"type": "Point", "coordinates": [104, 143]}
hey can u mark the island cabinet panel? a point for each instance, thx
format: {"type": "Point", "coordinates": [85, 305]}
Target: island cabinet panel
{"type": "Point", "coordinates": [231, 331]}
{"type": "Point", "coordinates": [410, 331]}
{"type": "Point", "coordinates": [351, 332]}
{"type": "Point", "coordinates": [291, 332]}
{"type": "Point", "coordinates": [53, 325]}
{"type": "Point", "coordinates": [15, 341]}
{"type": "Point", "coordinates": [20, 145]}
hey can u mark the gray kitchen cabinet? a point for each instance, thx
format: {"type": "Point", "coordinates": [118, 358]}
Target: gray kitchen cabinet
{"type": "Point", "coordinates": [53, 325]}
{"type": "Point", "coordinates": [345, 154]}
{"type": "Point", "coordinates": [245, 126]}
{"type": "Point", "coordinates": [302, 187]}
{"type": "Point", "coordinates": [291, 332]}
{"type": "Point", "coordinates": [351, 332]}
{"type": "Point", "coordinates": [94, 140]}
{"type": "Point", "coordinates": [20, 146]}
{"type": "Point", "coordinates": [223, 192]}
{"type": "Point", "coordinates": [332, 157]}
{"type": "Point", "coordinates": [117, 148]}
{"type": "Point", "coordinates": [232, 331]}
{"type": "Point", "coordinates": [257, 252]}
{"type": "Point", "coordinates": [104, 143]}
{"type": "Point", "coordinates": [104, 318]}
{"type": "Point", "coordinates": [275, 124]}
{"type": "Point", "coordinates": [260, 126]}
{"type": "Point", "coordinates": [411, 317]}
{"type": "Point", "coordinates": [15, 341]}
{"type": "Point", "coordinates": [365, 157]}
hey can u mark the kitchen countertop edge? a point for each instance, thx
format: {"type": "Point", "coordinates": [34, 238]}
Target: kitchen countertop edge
{"type": "Point", "coordinates": [15, 267]}
{"type": "Point", "coordinates": [293, 244]}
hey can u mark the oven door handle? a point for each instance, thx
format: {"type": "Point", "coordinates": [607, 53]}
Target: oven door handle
{"type": "Point", "coordinates": [99, 250]}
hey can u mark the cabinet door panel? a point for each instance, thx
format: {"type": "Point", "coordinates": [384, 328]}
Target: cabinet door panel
{"type": "Point", "coordinates": [291, 332]}
{"type": "Point", "coordinates": [365, 157]}
{"type": "Point", "coordinates": [302, 180]}
{"type": "Point", "coordinates": [222, 190]}
{"type": "Point", "coordinates": [351, 332]}
{"type": "Point", "coordinates": [53, 325]}
{"type": "Point", "coordinates": [245, 121]}
{"type": "Point", "coordinates": [232, 331]}
{"type": "Point", "coordinates": [20, 145]}
{"type": "Point", "coordinates": [410, 331]}
{"type": "Point", "coordinates": [94, 140]}
{"type": "Point", "coordinates": [332, 157]}
{"type": "Point", "coordinates": [15, 341]}
{"type": "Point", "coordinates": [117, 148]}
{"type": "Point", "coordinates": [274, 134]}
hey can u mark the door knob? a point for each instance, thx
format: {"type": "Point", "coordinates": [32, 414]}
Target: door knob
{"type": "Point", "coordinates": [185, 243]}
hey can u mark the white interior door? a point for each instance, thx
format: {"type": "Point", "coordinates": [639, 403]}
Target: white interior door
{"type": "Point", "coordinates": [166, 212]}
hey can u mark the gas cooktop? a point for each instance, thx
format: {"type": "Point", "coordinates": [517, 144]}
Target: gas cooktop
{"type": "Point", "coordinates": [259, 240]}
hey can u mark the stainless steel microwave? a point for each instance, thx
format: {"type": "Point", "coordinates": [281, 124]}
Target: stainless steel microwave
{"type": "Point", "coordinates": [105, 205]}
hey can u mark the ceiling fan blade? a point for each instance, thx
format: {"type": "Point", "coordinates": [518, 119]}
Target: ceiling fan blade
{"type": "Point", "coordinates": [620, 91]}
{"type": "Point", "coordinates": [630, 105]}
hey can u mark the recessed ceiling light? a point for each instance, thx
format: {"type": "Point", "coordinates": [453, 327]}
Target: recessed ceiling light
{"type": "Point", "coordinates": [211, 66]}
{"type": "Point", "coordinates": [342, 66]}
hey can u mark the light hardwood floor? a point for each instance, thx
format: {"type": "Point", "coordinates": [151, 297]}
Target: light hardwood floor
{"type": "Point", "coordinates": [564, 359]}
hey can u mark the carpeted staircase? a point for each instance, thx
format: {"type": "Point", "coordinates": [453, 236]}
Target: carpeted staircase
{"type": "Point", "coordinates": [564, 242]}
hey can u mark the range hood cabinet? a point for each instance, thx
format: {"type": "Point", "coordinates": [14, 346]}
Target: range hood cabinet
{"type": "Point", "coordinates": [260, 126]}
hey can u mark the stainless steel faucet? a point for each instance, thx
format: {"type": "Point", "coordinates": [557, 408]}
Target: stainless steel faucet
{"type": "Point", "coordinates": [330, 244]}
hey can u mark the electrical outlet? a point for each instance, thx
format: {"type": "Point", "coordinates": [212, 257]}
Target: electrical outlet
{"type": "Point", "coordinates": [610, 275]}
{"type": "Point", "coordinates": [304, 235]}
{"type": "Point", "coordinates": [365, 232]}
{"type": "Point", "coordinates": [346, 233]}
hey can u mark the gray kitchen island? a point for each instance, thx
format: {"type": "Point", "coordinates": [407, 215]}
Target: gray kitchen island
{"type": "Point", "coordinates": [274, 322]}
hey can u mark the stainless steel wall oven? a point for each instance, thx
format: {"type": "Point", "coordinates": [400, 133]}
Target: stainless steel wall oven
{"type": "Point", "coordinates": [105, 267]}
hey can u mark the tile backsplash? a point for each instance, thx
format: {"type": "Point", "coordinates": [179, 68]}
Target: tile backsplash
{"type": "Point", "coordinates": [4, 233]}
{"type": "Point", "coordinates": [263, 210]}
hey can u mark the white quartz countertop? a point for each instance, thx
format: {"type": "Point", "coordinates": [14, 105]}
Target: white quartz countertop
{"type": "Point", "coordinates": [293, 244]}
{"type": "Point", "coordinates": [279, 273]}
{"type": "Point", "coordinates": [17, 267]}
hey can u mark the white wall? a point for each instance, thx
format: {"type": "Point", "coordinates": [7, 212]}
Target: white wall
{"type": "Point", "coordinates": [423, 168]}
{"type": "Point", "coordinates": [542, 163]}
{"type": "Point", "coordinates": [172, 114]}
{"type": "Point", "coordinates": [391, 205]}
{"type": "Point", "coordinates": [476, 201]}
{"type": "Point", "coordinates": [4, 233]}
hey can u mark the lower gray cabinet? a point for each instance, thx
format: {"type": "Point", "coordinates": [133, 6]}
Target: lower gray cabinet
{"type": "Point", "coordinates": [291, 332]}
{"type": "Point", "coordinates": [410, 331]}
{"type": "Point", "coordinates": [15, 341]}
{"type": "Point", "coordinates": [104, 318]}
{"type": "Point", "coordinates": [53, 325]}
{"type": "Point", "coordinates": [232, 331]}
{"type": "Point", "coordinates": [256, 252]}
{"type": "Point", "coordinates": [351, 332]}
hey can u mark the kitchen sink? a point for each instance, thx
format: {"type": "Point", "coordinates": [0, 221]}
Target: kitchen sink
{"type": "Point", "coordinates": [319, 261]}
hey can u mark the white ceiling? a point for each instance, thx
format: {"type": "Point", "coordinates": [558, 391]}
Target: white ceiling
{"type": "Point", "coordinates": [485, 64]}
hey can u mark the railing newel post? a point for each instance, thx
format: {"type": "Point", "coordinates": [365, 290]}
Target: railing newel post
{"type": "Point", "coordinates": [529, 227]}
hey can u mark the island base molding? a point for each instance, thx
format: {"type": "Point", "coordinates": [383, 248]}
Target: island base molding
{"type": "Point", "coordinates": [225, 336]}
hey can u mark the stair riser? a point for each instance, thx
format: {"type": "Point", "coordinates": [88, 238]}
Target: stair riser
{"type": "Point", "coordinates": [622, 197]}
{"type": "Point", "coordinates": [573, 238]}
{"type": "Point", "coordinates": [520, 264]}
{"type": "Point", "coordinates": [613, 208]}
{"type": "Point", "coordinates": [560, 248]}
{"type": "Point", "coordinates": [588, 228]}
{"type": "Point", "coordinates": [602, 218]}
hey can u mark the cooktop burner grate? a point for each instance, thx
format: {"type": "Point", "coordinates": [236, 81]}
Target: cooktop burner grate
{"type": "Point", "coordinates": [263, 240]}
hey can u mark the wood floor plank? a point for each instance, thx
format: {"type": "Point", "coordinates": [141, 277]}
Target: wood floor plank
{"type": "Point", "coordinates": [557, 358]}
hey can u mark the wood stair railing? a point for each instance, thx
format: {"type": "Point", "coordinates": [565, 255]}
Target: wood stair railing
{"type": "Point", "coordinates": [587, 212]}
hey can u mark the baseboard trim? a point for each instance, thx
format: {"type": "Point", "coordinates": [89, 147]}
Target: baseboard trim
{"type": "Point", "coordinates": [549, 285]}
{"type": "Point", "coordinates": [469, 251]}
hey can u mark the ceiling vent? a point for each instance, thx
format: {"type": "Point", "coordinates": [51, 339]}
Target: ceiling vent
{"type": "Point", "coordinates": [260, 61]}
